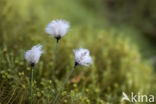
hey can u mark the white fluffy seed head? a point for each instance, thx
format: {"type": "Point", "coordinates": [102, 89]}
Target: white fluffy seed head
{"type": "Point", "coordinates": [33, 55]}
{"type": "Point", "coordinates": [57, 28]}
{"type": "Point", "coordinates": [82, 57]}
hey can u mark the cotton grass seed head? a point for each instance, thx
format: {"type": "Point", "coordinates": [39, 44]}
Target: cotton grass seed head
{"type": "Point", "coordinates": [57, 28]}
{"type": "Point", "coordinates": [33, 55]}
{"type": "Point", "coordinates": [82, 57]}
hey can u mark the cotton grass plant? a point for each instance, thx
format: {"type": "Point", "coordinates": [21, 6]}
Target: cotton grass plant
{"type": "Point", "coordinates": [57, 29]}
{"type": "Point", "coordinates": [83, 58]}
{"type": "Point", "coordinates": [33, 56]}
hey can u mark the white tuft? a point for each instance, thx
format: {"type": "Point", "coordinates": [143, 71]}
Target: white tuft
{"type": "Point", "coordinates": [82, 57]}
{"type": "Point", "coordinates": [33, 55]}
{"type": "Point", "coordinates": [57, 28]}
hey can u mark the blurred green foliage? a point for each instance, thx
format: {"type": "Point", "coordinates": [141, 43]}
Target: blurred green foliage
{"type": "Point", "coordinates": [118, 65]}
{"type": "Point", "coordinates": [137, 14]}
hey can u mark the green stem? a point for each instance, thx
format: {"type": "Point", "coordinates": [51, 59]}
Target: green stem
{"type": "Point", "coordinates": [53, 71]}
{"type": "Point", "coordinates": [67, 78]}
{"type": "Point", "coordinates": [8, 59]}
{"type": "Point", "coordinates": [31, 90]}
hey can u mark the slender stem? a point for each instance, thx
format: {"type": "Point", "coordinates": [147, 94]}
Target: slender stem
{"type": "Point", "coordinates": [53, 71]}
{"type": "Point", "coordinates": [61, 89]}
{"type": "Point", "coordinates": [31, 90]}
